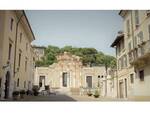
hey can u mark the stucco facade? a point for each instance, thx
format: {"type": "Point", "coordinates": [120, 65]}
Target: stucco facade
{"type": "Point", "coordinates": [134, 43]}
{"type": "Point", "coordinates": [15, 52]}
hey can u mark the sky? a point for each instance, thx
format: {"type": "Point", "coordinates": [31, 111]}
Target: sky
{"type": "Point", "coordinates": [95, 28]}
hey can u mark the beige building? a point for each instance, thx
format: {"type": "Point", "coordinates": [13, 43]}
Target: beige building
{"type": "Point", "coordinates": [68, 75]}
{"type": "Point", "coordinates": [16, 54]}
{"type": "Point", "coordinates": [133, 55]}
{"type": "Point", "coordinates": [124, 70]}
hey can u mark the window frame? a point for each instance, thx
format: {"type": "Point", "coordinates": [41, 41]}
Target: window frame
{"type": "Point", "coordinates": [9, 51]}
{"type": "Point", "coordinates": [11, 23]}
{"type": "Point", "coordinates": [137, 21]}
{"type": "Point", "coordinates": [132, 78]}
{"type": "Point", "coordinates": [19, 59]}
{"type": "Point", "coordinates": [128, 27]}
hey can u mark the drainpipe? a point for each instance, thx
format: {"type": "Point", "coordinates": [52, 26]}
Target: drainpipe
{"type": "Point", "coordinates": [15, 52]}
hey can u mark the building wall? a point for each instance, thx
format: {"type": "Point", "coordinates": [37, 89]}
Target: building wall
{"type": "Point", "coordinates": [137, 88]}
{"type": "Point", "coordinates": [143, 85]}
{"type": "Point", "coordinates": [7, 36]}
{"type": "Point", "coordinates": [141, 88]}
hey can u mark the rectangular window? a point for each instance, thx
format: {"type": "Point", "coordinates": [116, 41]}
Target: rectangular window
{"type": "Point", "coordinates": [64, 79]}
{"type": "Point", "coordinates": [141, 75]}
{"type": "Point", "coordinates": [26, 64]}
{"type": "Point", "coordinates": [18, 82]}
{"type": "Point", "coordinates": [9, 54]}
{"type": "Point", "coordinates": [125, 60]}
{"type": "Point", "coordinates": [136, 18]}
{"type": "Point", "coordinates": [140, 37]}
{"type": "Point", "coordinates": [11, 24]}
{"type": "Point", "coordinates": [128, 27]}
{"type": "Point", "coordinates": [131, 78]}
{"type": "Point", "coordinates": [20, 37]}
{"type": "Point", "coordinates": [89, 81]}
{"type": "Point", "coordinates": [129, 46]}
{"type": "Point", "coordinates": [19, 59]}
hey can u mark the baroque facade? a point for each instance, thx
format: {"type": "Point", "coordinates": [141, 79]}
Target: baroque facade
{"type": "Point", "coordinates": [133, 55]}
{"type": "Point", "coordinates": [68, 74]}
{"type": "Point", "coordinates": [16, 54]}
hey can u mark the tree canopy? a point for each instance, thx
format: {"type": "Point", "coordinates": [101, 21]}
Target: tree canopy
{"type": "Point", "coordinates": [89, 56]}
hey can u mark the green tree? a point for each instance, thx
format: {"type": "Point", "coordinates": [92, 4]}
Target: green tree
{"type": "Point", "coordinates": [89, 56]}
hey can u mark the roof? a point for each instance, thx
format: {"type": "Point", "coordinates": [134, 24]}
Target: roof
{"type": "Point", "coordinates": [29, 24]}
{"type": "Point", "coordinates": [41, 47]}
{"type": "Point", "coordinates": [118, 38]}
{"type": "Point", "coordinates": [123, 12]}
{"type": "Point", "coordinates": [24, 20]}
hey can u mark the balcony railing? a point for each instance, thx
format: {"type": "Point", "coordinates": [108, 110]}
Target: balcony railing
{"type": "Point", "coordinates": [140, 53]}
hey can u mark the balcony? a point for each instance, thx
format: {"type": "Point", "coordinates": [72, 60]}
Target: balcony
{"type": "Point", "coordinates": [139, 56]}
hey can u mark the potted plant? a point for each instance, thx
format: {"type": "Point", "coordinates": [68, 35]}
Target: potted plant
{"type": "Point", "coordinates": [96, 94]}
{"type": "Point", "coordinates": [15, 95]}
{"type": "Point", "coordinates": [22, 93]}
{"type": "Point", "coordinates": [89, 93]}
{"type": "Point", "coordinates": [35, 90]}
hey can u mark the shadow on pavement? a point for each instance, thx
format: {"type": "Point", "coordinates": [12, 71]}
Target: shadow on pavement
{"type": "Point", "coordinates": [59, 97]}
